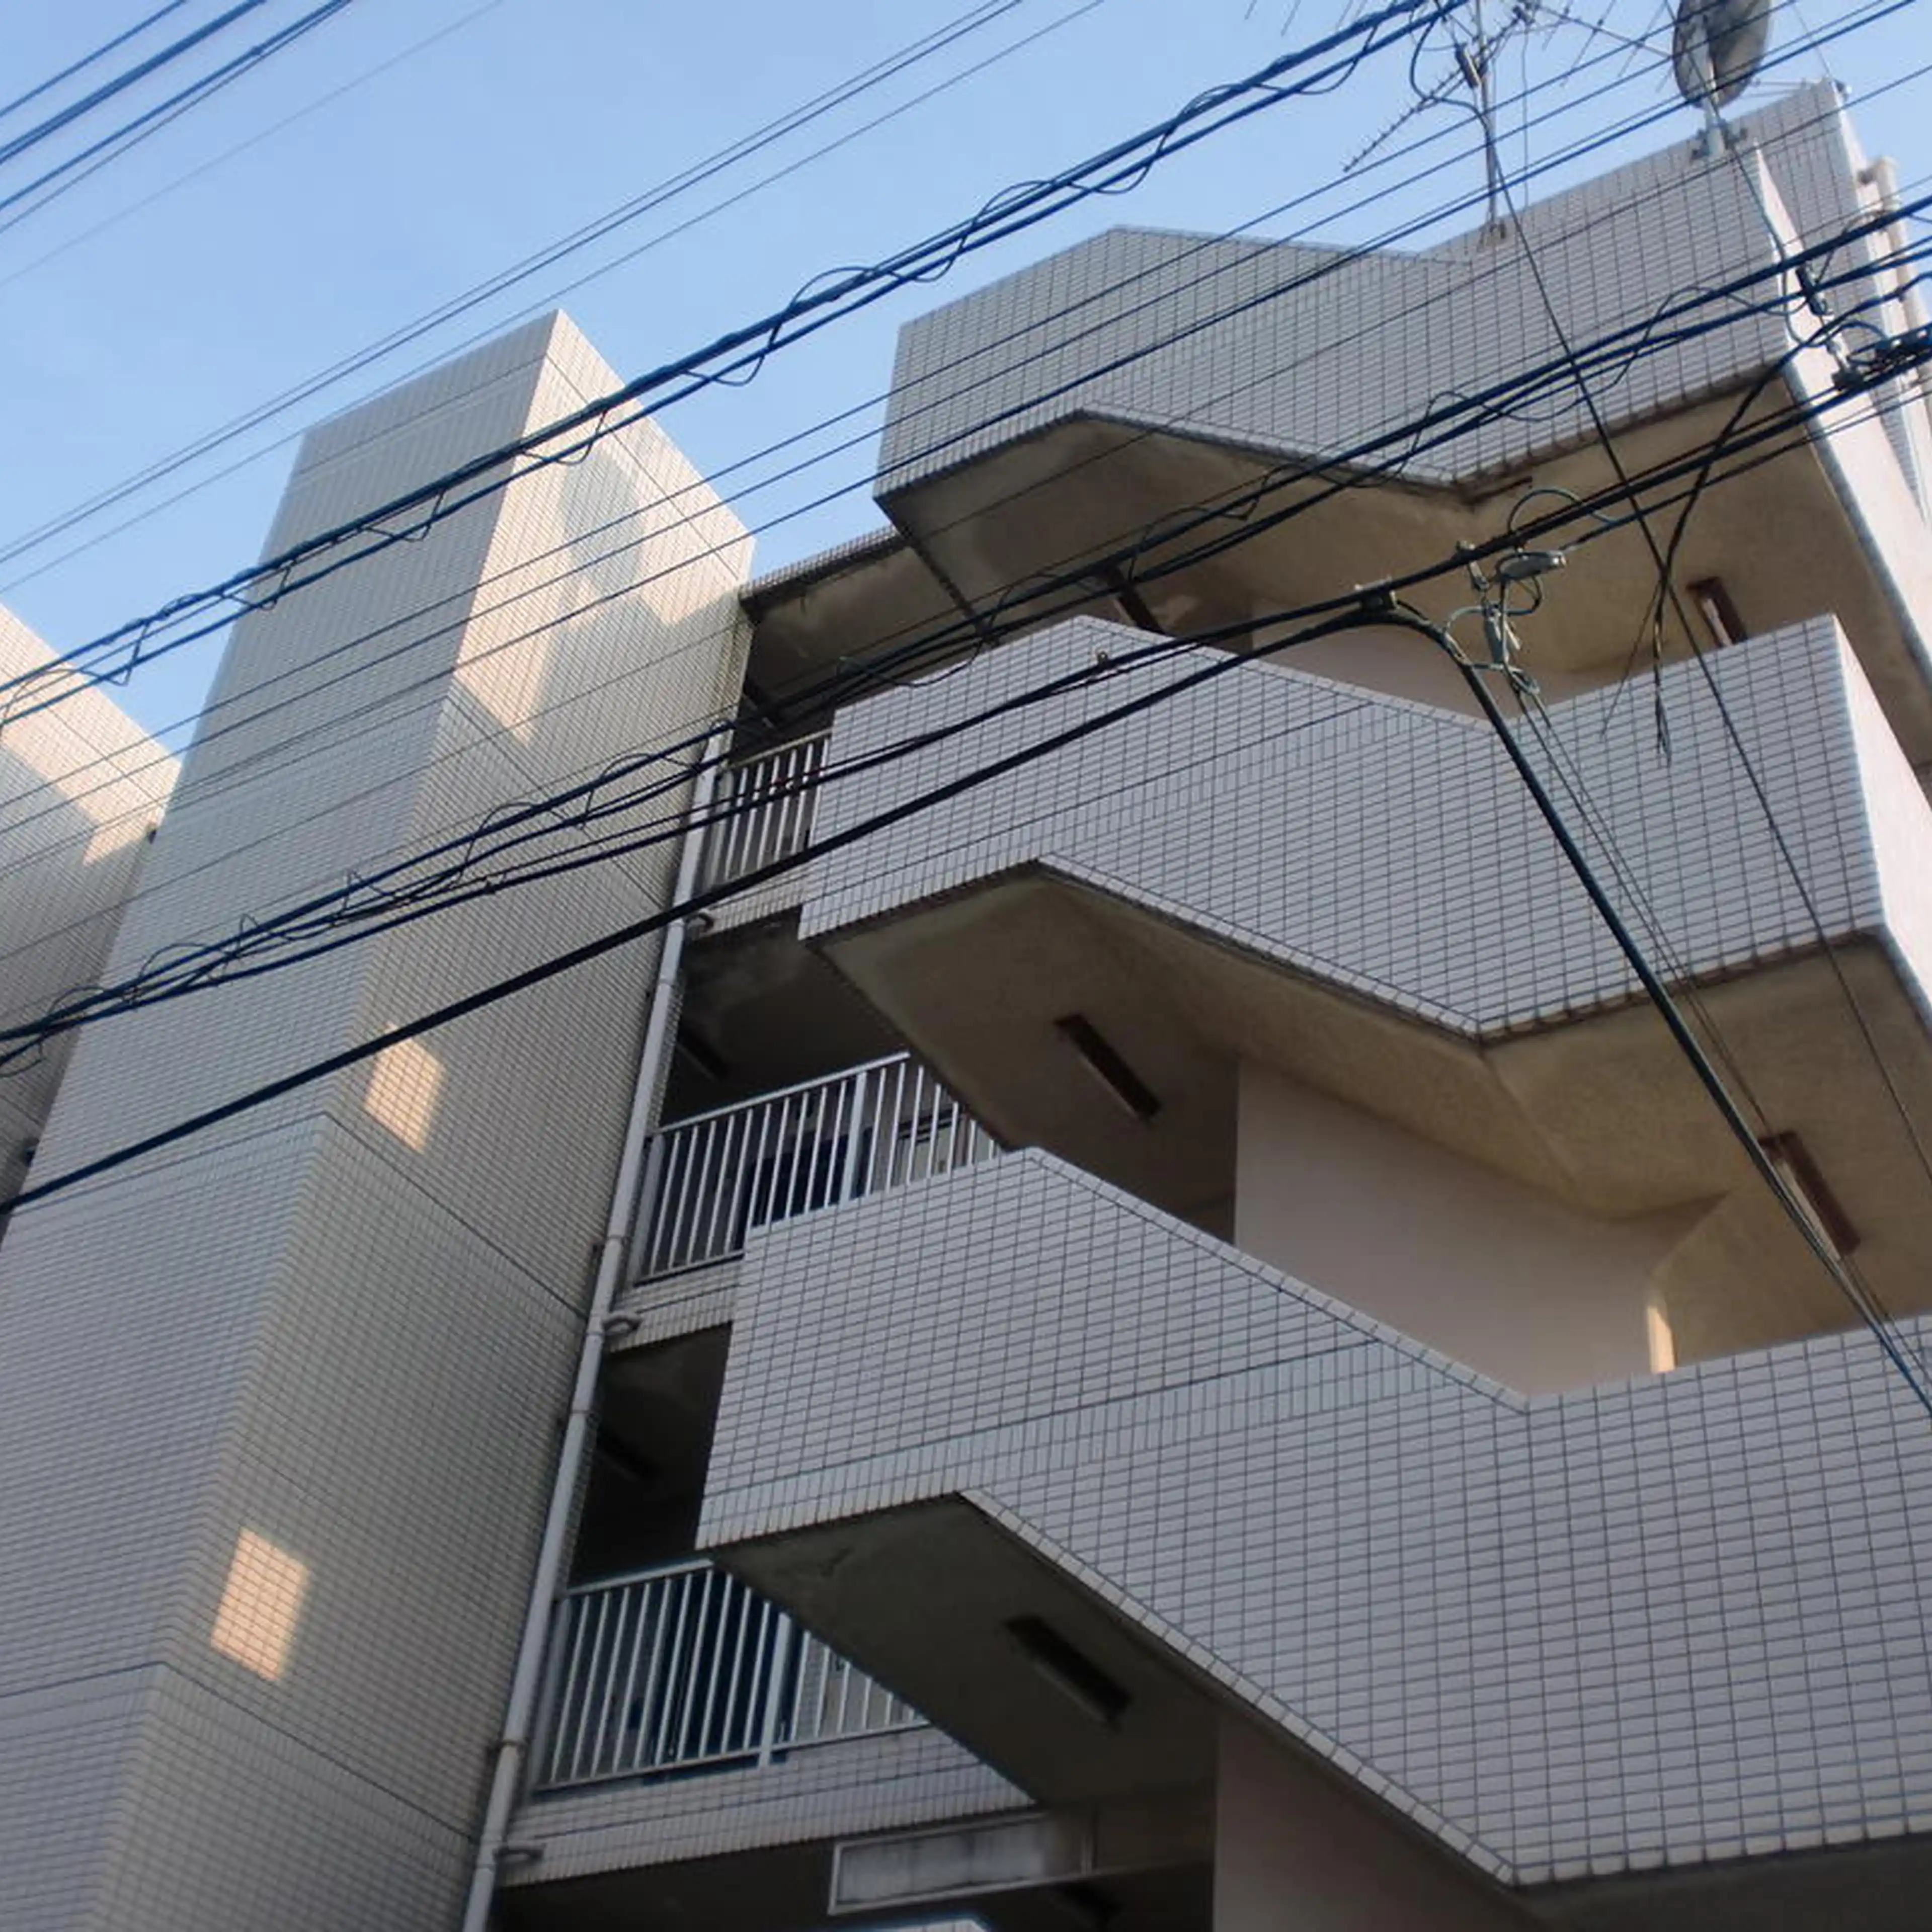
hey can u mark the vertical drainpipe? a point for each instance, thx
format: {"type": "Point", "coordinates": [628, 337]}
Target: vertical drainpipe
{"type": "Point", "coordinates": [513, 1748]}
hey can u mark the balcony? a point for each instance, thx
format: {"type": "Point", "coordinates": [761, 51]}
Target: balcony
{"type": "Point", "coordinates": [698, 1755]}
{"type": "Point", "coordinates": [1099, 1451]}
{"type": "Point", "coordinates": [1278, 877]}
{"type": "Point", "coordinates": [1058, 442]}
{"type": "Point", "coordinates": [684, 1669]}
{"type": "Point", "coordinates": [765, 805]}
{"type": "Point", "coordinates": [719, 1175]}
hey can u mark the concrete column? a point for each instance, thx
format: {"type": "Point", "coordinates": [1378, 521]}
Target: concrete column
{"type": "Point", "coordinates": [278, 1407]}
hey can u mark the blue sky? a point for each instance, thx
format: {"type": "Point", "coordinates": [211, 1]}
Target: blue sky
{"type": "Point", "coordinates": [409, 149]}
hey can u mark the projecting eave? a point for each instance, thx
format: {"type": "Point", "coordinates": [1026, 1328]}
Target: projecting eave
{"type": "Point", "coordinates": [858, 600]}
{"type": "Point", "coordinates": [1319, 349]}
{"type": "Point", "coordinates": [1200, 1493]}
{"type": "Point", "coordinates": [1092, 407]}
{"type": "Point", "coordinates": [1352, 892]}
{"type": "Point", "coordinates": [1217, 529]}
{"type": "Point", "coordinates": [773, 588]}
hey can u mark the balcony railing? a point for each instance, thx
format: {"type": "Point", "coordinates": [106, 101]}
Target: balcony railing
{"type": "Point", "coordinates": [767, 804]}
{"type": "Point", "coordinates": [720, 1175]}
{"type": "Point", "coordinates": [685, 1668]}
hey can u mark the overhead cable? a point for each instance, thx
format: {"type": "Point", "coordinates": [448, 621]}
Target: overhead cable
{"type": "Point", "coordinates": [75, 168]}
{"type": "Point", "coordinates": [661, 194]}
{"type": "Point", "coordinates": [94, 56]}
{"type": "Point", "coordinates": [370, 902]}
{"type": "Point", "coordinates": [10, 149]}
{"type": "Point", "coordinates": [735, 357]}
{"type": "Point", "coordinates": [13, 703]}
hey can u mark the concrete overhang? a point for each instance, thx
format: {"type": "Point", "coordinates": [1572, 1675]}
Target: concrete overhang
{"type": "Point", "coordinates": [967, 1624]}
{"type": "Point", "coordinates": [858, 601]}
{"type": "Point", "coordinates": [1037, 1409]}
{"type": "Point", "coordinates": [926, 1597]}
{"type": "Point", "coordinates": [1354, 893]}
{"type": "Point", "coordinates": [1089, 483]}
{"type": "Point", "coordinates": [1600, 1112]}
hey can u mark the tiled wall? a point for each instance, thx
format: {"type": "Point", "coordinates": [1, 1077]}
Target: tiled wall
{"type": "Point", "coordinates": [1662, 1621]}
{"type": "Point", "coordinates": [829, 1791]}
{"type": "Point", "coordinates": [1307, 350]}
{"type": "Point", "coordinates": [81, 787]}
{"type": "Point", "coordinates": [1415, 871]}
{"type": "Point", "coordinates": [277, 1407]}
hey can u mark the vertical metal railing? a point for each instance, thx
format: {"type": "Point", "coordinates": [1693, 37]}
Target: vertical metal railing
{"type": "Point", "coordinates": [720, 1175]}
{"type": "Point", "coordinates": [765, 807]}
{"type": "Point", "coordinates": [686, 1668]}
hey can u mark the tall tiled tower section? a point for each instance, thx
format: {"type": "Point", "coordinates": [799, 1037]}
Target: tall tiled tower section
{"type": "Point", "coordinates": [81, 787]}
{"type": "Point", "coordinates": [278, 1405]}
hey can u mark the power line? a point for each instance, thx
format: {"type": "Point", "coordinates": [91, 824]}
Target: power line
{"type": "Point", "coordinates": [1281, 288]}
{"type": "Point", "coordinates": [735, 357]}
{"type": "Point", "coordinates": [1856, 1294]}
{"type": "Point", "coordinates": [1870, 1305]}
{"type": "Point", "coordinates": [1496, 401]}
{"type": "Point", "coordinates": [1499, 400]}
{"type": "Point", "coordinates": [1375, 607]}
{"type": "Point", "coordinates": [255, 140]}
{"type": "Point", "coordinates": [70, 172]}
{"type": "Point", "coordinates": [90, 58]}
{"type": "Point", "coordinates": [255, 689]}
{"type": "Point", "coordinates": [671, 187]}
{"type": "Point", "coordinates": [1099, 297]}
{"type": "Point", "coordinates": [31, 539]}
{"type": "Point", "coordinates": [575, 808]}
{"type": "Point", "coordinates": [1369, 607]}
{"type": "Point", "coordinates": [1826, 244]}
{"type": "Point", "coordinates": [66, 117]}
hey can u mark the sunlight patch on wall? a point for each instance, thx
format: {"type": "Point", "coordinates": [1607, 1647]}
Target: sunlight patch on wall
{"type": "Point", "coordinates": [260, 1605]}
{"type": "Point", "coordinates": [404, 1082]}
{"type": "Point", "coordinates": [111, 837]}
{"type": "Point", "coordinates": [1663, 1341]}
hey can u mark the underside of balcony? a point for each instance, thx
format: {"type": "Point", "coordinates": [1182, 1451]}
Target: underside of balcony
{"type": "Point", "coordinates": [1087, 486]}
{"type": "Point", "coordinates": [1293, 904]}
{"type": "Point", "coordinates": [1089, 1486]}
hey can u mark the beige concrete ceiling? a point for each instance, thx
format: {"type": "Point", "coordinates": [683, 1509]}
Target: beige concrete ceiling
{"type": "Point", "coordinates": [1600, 1112]}
{"type": "Point", "coordinates": [1044, 503]}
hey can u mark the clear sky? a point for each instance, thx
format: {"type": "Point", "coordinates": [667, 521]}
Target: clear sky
{"type": "Point", "coordinates": [408, 149]}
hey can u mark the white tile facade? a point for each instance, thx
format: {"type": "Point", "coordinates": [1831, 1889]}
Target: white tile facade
{"type": "Point", "coordinates": [277, 1409]}
{"type": "Point", "coordinates": [1297, 350]}
{"type": "Point", "coordinates": [1664, 1621]}
{"type": "Point", "coordinates": [1418, 873]}
{"type": "Point", "coordinates": [825, 1791]}
{"type": "Point", "coordinates": [82, 786]}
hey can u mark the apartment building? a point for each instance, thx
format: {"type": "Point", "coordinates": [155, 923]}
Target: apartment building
{"type": "Point", "coordinates": [83, 788]}
{"type": "Point", "coordinates": [1174, 1344]}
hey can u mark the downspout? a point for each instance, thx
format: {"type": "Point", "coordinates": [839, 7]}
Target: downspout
{"type": "Point", "coordinates": [513, 1748]}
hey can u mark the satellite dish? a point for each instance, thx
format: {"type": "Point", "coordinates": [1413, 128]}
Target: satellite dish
{"type": "Point", "coordinates": [1717, 48]}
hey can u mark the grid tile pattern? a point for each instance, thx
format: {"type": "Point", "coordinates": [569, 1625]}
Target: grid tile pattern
{"type": "Point", "coordinates": [1418, 873]}
{"type": "Point", "coordinates": [1662, 1621]}
{"type": "Point", "coordinates": [81, 788]}
{"type": "Point", "coordinates": [828, 1791]}
{"type": "Point", "coordinates": [1299, 350]}
{"type": "Point", "coordinates": [298, 1501]}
